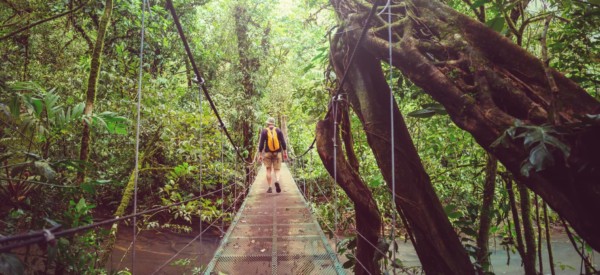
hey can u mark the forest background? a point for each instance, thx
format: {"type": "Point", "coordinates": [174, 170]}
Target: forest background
{"type": "Point", "coordinates": [68, 93]}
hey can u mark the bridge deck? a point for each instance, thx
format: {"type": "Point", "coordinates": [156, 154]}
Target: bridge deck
{"type": "Point", "coordinates": [274, 234]}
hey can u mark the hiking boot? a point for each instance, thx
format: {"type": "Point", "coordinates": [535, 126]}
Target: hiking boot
{"type": "Point", "coordinates": [277, 188]}
{"type": "Point", "coordinates": [270, 190]}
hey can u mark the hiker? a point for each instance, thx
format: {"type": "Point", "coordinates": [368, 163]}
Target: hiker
{"type": "Point", "coordinates": [270, 146]}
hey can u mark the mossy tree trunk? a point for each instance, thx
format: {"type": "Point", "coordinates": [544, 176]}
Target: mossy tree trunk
{"type": "Point", "coordinates": [485, 217]}
{"type": "Point", "coordinates": [92, 87]}
{"type": "Point", "coordinates": [249, 64]}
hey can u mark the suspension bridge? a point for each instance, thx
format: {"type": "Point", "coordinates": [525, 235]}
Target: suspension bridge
{"type": "Point", "coordinates": [275, 233]}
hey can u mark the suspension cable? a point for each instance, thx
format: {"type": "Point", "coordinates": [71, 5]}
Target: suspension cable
{"type": "Point", "coordinates": [199, 75]}
{"type": "Point", "coordinates": [392, 127]}
{"type": "Point", "coordinates": [200, 187]}
{"type": "Point", "coordinates": [137, 135]}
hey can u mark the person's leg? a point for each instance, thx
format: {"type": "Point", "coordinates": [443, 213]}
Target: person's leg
{"type": "Point", "coordinates": [276, 168]}
{"type": "Point", "coordinates": [269, 176]}
{"type": "Point", "coordinates": [268, 162]}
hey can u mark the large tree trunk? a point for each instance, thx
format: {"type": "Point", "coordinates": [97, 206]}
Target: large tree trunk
{"type": "Point", "coordinates": [487, 84]}
{"type": "Point", "coordinates": [91, 88]}
{"type": "Point", "coordinates": [436, 243]}
{"type": "Point", "coordinates": [368, 219]}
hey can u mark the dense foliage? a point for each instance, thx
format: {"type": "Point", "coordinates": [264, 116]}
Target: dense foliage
{"type": "Point", "coordinates": [259, 59]}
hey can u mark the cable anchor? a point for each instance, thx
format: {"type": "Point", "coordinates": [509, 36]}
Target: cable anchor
{"type": "Point", "coordinates": [200, 82]}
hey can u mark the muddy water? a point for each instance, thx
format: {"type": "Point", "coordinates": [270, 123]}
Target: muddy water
{"type": "Point", "coordinates": [153, 249]}
{"type": "Point", "coordinates": [566, 259]}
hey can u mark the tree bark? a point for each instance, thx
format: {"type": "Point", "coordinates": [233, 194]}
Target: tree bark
{"type": "Point", "coordinates": [515, 215]}
{"type": "Point", "coordinates": [486, 84]}
{"type": "Point", "coordinates": [368, 218]}
{"type": "Point", "coordinates": [91, 88]}
{"type": "Point", "coordinates": [485, 219]}
{"type": "Point", "coordinates": [436, 243]}
{"type": "Point", "coordinates": [528, 234]}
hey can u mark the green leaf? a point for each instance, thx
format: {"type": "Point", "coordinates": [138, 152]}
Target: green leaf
{"type": "Point", "coordinates": [540, 157]}
{"type": "Point", "coordinates": [80, 205]}
{"type": "Point", "coordinates": [112, 122]}
{"type": "Point", "coordinates": [479, 3]}
{"type": "Point", "coordinates": [423, 113]}
{"type": "Point", "coordinates": [497, 23]}
{"type": "Point", "coordinates": [469, 231]}
{"type": "Point", "coordinates": [455, 215]}
{"type": "Point", "coordinates": [397, 263]}
{"type": "Point", "coordinates": [348, 264]}
{"type": "Point", "coordinates": [27, 86]}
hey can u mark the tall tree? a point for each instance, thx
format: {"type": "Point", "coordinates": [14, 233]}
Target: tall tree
{"type": "Point", "coordinates": [249, 64]}
{"type": "Point", "coordinates": [497, 91]}
{"type": "Point", "coordinates": [92, 87]}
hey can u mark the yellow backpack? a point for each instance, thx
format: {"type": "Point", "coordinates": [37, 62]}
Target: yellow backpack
{"type": "Point", "coordinates": [272, 139]}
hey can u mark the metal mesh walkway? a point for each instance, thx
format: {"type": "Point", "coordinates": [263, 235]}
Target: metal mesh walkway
{"type": "Point", "coordinates": [274, 234]}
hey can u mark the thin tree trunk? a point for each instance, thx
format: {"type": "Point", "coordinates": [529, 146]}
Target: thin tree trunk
{"type": "Point", "coordinates": [548, 240]}
{"type": "Point", "coordinates": [368, 219]}
{"type": "Point", "coordinates": [528, 233]}
{"type": "Point", "coordinates": [539, 235]}
{"type": "Point", "coordinates": [515, 216]}
{"type": "Point", "coordinates": [91, 88]}
{"type": "Point", "coordinates": [485, 216]}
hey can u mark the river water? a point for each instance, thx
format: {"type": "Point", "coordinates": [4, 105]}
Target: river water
{"type": "Point", "coordinates": [154, 249]}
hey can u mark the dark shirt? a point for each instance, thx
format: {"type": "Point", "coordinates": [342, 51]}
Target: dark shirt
{"type": "Point", "coordinates": [262, 144]}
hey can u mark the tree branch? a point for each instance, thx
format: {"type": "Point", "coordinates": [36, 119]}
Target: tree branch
{"type": "Point", "coordinates": [42, 21]}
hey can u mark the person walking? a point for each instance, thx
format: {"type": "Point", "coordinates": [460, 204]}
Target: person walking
{"type": "Point", "coordinates": [271, 145]}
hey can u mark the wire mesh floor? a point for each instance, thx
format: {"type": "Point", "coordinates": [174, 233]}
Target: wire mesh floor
{"type": "Point", "coordinates": [274, 233]}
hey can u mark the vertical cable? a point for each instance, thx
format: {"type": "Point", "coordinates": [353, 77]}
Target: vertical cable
{"type": "Point", "coordinates": [201, 111]}
{"type": "Point", "coordinates": [393, 160]}
{"type": "Point", "coordinates": [137, 136]}
{"type": "Point", "coordinates": [335, 126]}
{"type": "Point", "coordinates": [235, 167]}
{"type": "Point", "coordinates": [222, 184]}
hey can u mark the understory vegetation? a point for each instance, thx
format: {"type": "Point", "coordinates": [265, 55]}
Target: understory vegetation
{"type": "Point", "coordinates": [496, 126]}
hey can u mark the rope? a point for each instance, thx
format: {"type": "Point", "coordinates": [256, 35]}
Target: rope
{"type": "Point", "coordinates": [137, 135]}
{"type": "Point", "coordinates": [309, 148]}
{"type": "Point", "coordinates": [199, 76]}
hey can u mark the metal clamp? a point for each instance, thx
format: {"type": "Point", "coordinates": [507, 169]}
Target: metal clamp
{"type": "Point", "coordinates": [201, 82]}
{"type": "Point", "coordinates": [48, 236]}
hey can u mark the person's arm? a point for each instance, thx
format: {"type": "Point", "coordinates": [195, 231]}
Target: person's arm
{"type": "Point", "coordinates": [283, 144]}
{"type": "Point", "coordinates": [261, 144]}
